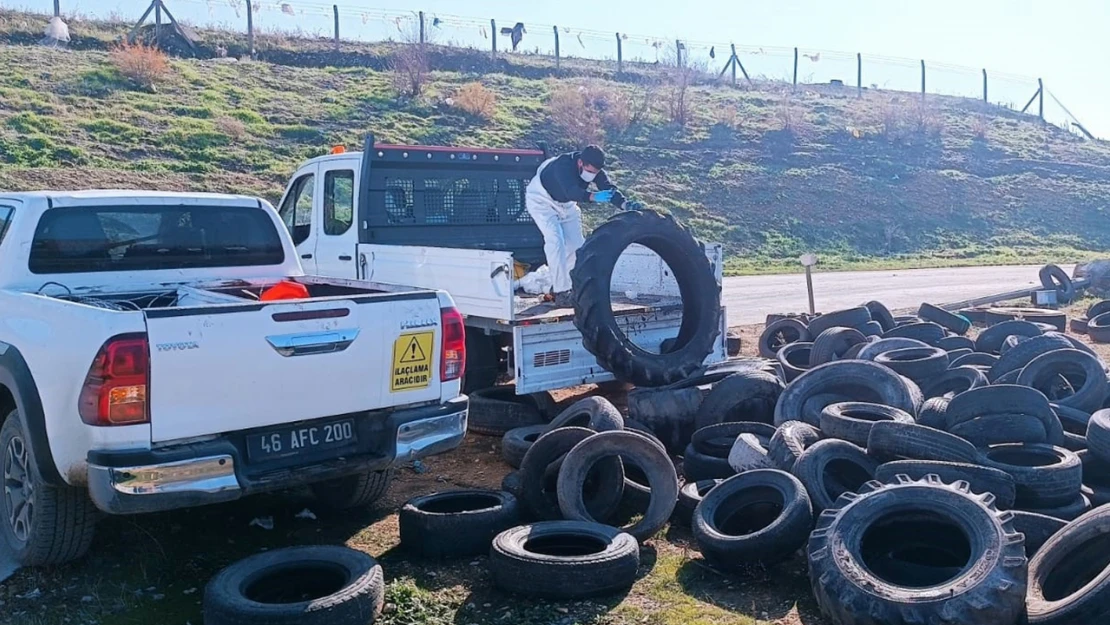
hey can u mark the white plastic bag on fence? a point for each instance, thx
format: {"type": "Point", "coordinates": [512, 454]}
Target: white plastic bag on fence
{"type": "Point", "coordinates": [56, 33]}
{"type": "Point", "coordinates": [536, 282]}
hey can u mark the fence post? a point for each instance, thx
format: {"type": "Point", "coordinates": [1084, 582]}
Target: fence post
{"type": "Point", "coordinates": [922, 79]}
{"type": "Point", "coordinates": [1040, 92]}
{"type": "Point", "coordinates": [678, 53]}
{"type": "Point", "coordinates": [557, 61]}
{"type": "Point", "coordinates": [157, 22]}
{"type": "Point", "coordinates": [250, 29]}
{"type": "Point", "coordinates": [732, 60]}
{"type": "Point", "coordinates": [985, 86]}
{"type": "Point", "coordinates": [795, 68]}
{"type": "Point", "coordinates": [859, 75]}
{"type": "Point", "coordinates": [620, 56]}
{"type": "Point", "coordinates": [335, 10]}
{"type": "Point", "coordinates": [493, 35]}
{"type": "Point", "coordinates": [421, 14]}
{"type": "Point", "coordinates": [57, 8]}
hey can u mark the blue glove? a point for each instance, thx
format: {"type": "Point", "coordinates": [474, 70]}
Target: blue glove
{"type": "Point", "coordinates": [633, 205]}
{"type": "Point", "coordinates": [602, 197]}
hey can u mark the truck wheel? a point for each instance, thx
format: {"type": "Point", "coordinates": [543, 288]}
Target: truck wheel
{"type": "Point", "coordinates": [353, 491]}
{"type": "Point", "coordinates": [311, 585]}
{"type": "Point", "coordinates": [41, 524]}
{"type": "Point", "coordinates": [603, 337]}
{"type": "Point", "coordinates": [483, 359]}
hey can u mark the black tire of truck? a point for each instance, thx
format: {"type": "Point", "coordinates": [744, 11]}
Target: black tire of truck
{"type": "Point", "coordinates": [593, 315]}
{"type": "Point", "coordinates": [353, 491]}
{"type": "Point", "coordinates": [483, 359]}
{"type": "Point", "coordinates": [498, 409]}
{"type": "Point", "coordinates": [456, 524]}
{"type": "Point", "coordinates": [849, 581]}
{"type": "Point", "coordinates": [1056, 279]}
{"type": "Point", "coordinates": [564, 560]}
{"type": "Point", "coordinates": [311, 585]}
{"type": "Point", "coordinates": [62, 520]}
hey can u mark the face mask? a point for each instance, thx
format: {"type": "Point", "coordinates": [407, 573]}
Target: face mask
{"type": "Point", "coordinates": [588, 176]}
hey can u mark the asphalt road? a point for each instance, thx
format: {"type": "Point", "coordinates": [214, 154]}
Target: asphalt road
{"type": "Point", "coordinates": [749, 299]}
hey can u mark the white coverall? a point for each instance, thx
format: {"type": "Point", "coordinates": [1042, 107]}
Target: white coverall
{"type": "Point", "coordinates": [561, 226]}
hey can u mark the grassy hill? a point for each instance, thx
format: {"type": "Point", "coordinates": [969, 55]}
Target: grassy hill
{"type": "Point", "coordinates": [881, 180]}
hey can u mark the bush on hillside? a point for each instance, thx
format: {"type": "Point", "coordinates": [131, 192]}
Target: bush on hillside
{"type": "Point", "coordinates": [909, 119]}
{"type": "Point", "coordinates": [233, 128]}
{"type": "Point", "coordinates": [410, 68]}
{"type": "Point", "coordinates": [145, 66]}
{"type": "Point", "coordinates": [474, 99]}
{"type": "Point", "coordinates": [586, 113]}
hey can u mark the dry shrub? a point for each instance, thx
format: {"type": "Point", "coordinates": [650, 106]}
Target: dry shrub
{"type": "Point", "coordinates": [473, 98]}
{"type": "Point", "coordinates": [681, 74]}
{"type": "Point", "coordinates": [791, 117]}
{"type": "Point", "coordinates": [410, 68]}
{"type": "Point", "coordinates": [143, 65]}
{"type": "Point", "coordinates": [907, 121]}
{"type": "Point", "coordinates": [585, 113]}
{"type": "Point", "coordinates": [727, 116]}
{"type": "Point", "coordinates": [231, 127]}
{"type": "Point", "coordinates": [980, 124]}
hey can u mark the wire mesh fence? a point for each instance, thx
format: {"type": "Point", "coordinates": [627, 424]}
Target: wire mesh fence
{"type": "Point", "coordinates": [549, 43]}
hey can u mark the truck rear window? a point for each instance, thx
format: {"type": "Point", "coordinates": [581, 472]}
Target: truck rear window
{"type": "Point", "coordinates": [137, 238]}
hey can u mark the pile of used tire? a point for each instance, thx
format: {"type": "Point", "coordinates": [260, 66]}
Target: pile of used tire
{"type": "Point", "coordinates": [930, 477]}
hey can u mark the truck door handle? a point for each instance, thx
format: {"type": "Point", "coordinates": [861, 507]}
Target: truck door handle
{"type": "Point", "coordinates": [344, 257]}
{"type": "Point", "coordinates": [312, 343]}
{"type": "Point", "coordinates": [306, 256]}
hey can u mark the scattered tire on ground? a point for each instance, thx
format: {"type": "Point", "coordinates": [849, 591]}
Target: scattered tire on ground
{"type": "Point", "coordinates": [1069, 578]}
{"type": "Point", "coordinates": [564, 559]}
{"type": "Point", "coordinates": [917, 552]}
{"type": "Point", "coordinates": [496, 410]}
{"type": "Point", "coordinates": [312, 585]}
{"type": "Point", "coordinates": [456, 524]}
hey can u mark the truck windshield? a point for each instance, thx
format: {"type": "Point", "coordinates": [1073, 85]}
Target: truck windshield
{"type": "Point", "coordinates": [137, 238]}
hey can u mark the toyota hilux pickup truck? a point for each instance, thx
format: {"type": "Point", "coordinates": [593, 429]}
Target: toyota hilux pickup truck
{"type": "Point", "coordinates": [166, 350]}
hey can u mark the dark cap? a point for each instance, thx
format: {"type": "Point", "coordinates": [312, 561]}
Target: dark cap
{"type": "Point", "coordinates": [593, 156]}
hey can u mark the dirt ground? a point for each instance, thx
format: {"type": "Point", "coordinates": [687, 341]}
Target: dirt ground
{"type": "Point", "coordinates": [153, 568]}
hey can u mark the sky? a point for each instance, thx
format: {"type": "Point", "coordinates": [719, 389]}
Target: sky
{"type": "Point", "coordinates": [1065, 43]}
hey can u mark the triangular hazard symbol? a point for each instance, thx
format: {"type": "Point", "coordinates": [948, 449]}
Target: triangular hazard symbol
{"type": "Point", "coordinates": [413, 352]}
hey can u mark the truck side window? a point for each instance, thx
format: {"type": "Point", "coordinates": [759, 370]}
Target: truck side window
{"type": "Point", "coordinates": [339, 201]}
{"type": "Point", "coordinates": [5, 219]}
{"type": "Point", "coordinates": [296, 210]}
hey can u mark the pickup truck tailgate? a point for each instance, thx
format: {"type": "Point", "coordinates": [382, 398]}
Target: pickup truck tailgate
{"type": "Point", "coordinates": [216, 369]}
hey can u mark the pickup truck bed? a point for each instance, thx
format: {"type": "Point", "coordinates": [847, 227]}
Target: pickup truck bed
{"type": "Point", "coordinates": [529, 309]}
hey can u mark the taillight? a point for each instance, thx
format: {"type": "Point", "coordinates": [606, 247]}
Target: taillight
{"type": "Point", "coordinates": [454, 345]}
{"type": "Point", "coordinates": [115, 390]}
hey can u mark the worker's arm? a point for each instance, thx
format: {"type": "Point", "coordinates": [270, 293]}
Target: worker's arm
{"type": "Point", "coordinates": [603, 183]}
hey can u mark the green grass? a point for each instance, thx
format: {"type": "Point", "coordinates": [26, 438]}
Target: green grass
{"type": "Point", "coordinates": [863, 182]}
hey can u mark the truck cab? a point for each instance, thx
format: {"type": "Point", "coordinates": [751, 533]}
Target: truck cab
{"type": "Point", "coordinates": [455, 218]}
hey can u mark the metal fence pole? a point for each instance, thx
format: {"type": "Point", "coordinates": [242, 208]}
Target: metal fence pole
{"type": "Point", "coordinates": [859, 75]}
{"type": "Point", "coordinates": [1040, 91]}
{"type": "Point", "coordinates": [250, 29]}
{"type": "Point", "coordinates": [795, 68]}
{"type": "Point", "coordinates": [620, 56]}
{"type": "Point", "coordinates": [985, 86]}
{"type": "Point", "coordinates": [421, 14]}
{"type": "Point", "coordinates": [57, 8]}
{"type": "Point", "coordinates": [678, 53]}
{"type": "Point", "coordinates": [558, 64]}
{"type": "Point", "coordinates": [157, 22]}
{"type": "Point", "coordinates": [493, 36]}
{"type": "Point", "coordinates": [335, 11]}
{"type": "Point", "coordinates": [922, 79]}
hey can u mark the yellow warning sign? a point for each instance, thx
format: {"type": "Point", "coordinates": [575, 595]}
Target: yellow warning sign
{"type": "Point", "coordinates": [412, 361]}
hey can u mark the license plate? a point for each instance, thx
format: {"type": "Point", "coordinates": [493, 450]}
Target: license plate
{"type": "Point", "coordinates": [412, 362]}
{"type": "Point", "coordinates": [301, 441]}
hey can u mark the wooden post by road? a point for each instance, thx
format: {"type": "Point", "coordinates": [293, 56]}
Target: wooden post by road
{"type": "Point", "coordinates": [620, 56]}
{"type": "Point", "coordinates": [795, 68]}
{"type": "Point", "coordinates": [250, 29]}
{"type": "Point", "coordinates": [493, 36]}
{"type": "Point", "coordinates": [335, 11]}
{"type": "Point", "coordinates": [557, 61]}
{"type": "Point", "coordinates": [157, 22]}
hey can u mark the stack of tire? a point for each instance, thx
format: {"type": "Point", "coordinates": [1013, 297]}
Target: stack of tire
{"type": "Point", "coordinates": [920, 469]}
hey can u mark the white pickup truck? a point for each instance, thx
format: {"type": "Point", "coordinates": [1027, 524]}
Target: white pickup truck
{"type": "Point", "coordinates": [148, 361]}
{"type": "Point", "coordinates": [454, 219]}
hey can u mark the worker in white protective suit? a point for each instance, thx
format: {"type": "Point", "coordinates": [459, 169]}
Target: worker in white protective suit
{"type": "Point", "coordinates": [552, 201]}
